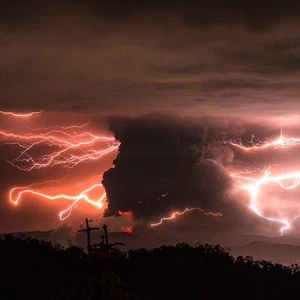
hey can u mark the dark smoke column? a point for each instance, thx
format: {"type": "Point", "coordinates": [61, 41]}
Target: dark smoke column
{"type": "Point", "coordinates": [159, 168]}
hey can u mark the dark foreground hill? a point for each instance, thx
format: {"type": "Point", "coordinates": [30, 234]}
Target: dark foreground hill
{"type": "Point", "coordinates": [33, 269]}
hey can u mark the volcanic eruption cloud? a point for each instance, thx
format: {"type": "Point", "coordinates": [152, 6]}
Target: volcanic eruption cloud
{"type": "Point", "coordinates": [155, 171]}
{"type": "Point", "coordinates": [240, 176]}
{"type": "Point", "coordinates": [159, 169]}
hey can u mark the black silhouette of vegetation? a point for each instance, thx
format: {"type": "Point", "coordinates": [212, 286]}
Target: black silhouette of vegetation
{"type": "Point", "coordinates": [104, 248]}
{"type": "Point", "coordinates": [33, 269]}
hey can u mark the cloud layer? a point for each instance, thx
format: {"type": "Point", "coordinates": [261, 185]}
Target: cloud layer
{"type": "Point", "coordinates": [207, 58]}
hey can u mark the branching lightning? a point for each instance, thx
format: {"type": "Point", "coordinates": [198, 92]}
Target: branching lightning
{"type": "Point", "coordinates": [60, 146]}
{"type": "Point", "coordinates": [64, 147]}
{"type": "Point", "coordinates": [255, 183]}
{"type": "Point", "coordinates": [254, 186]}
{"type": "Point", "coordinates": [256, 144]}
{"type": "Point", "coordinates": [179, 213]}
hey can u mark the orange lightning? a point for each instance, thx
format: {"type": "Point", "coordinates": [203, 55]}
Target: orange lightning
{"type": "Point", "coordinates": [17, 193]}
{"type": "Point", "coordinates": [179, 213]}
{"type": "Point", "coordinates": [19, 115]}
{"type": "Point", "coordinates": [64, 147]}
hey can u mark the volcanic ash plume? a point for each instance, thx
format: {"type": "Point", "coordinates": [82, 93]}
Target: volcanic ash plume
{"type": "Point", "coordinates": [161, 168]}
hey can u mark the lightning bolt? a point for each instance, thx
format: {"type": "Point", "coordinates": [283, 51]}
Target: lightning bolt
{"type": "Point", "coordinates": [19, 115]}
{"type": "Point", "coordinates": [254, 182]}
{"type": "Point", "coordinates": [17, 193]}
{"type": "Point", "coordinates": [254, 185]}
{"type": "Point", "coordinates": [64, 148]}
{"type": "Point", "coordinates": [179, 213]}
{"type": "Point", "coordinates": [255, 144]}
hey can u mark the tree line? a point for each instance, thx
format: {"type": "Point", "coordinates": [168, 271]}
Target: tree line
{"type": "Point", "coordinates": [36, 269]}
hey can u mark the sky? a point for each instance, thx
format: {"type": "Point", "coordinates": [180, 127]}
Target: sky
{"type": "Point", "coordinates": [174, 83]}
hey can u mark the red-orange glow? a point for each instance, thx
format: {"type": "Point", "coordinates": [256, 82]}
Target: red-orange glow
{"type": "Point", "coordinates": [62, 146]}
{"type": "Point", "coordinates": [19, 115]}
{"type": "Point", "coordinates": [65, 147]}
{"type": "Point", "coordinates": [125, 213]}
{"type": "Point", "coordinates": [127, 229]}
{"type": "Point", "coordinates": [17, 193]}
{"type": "Point", "coordinates": [179, 213]}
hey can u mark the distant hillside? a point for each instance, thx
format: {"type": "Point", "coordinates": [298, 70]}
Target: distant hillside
{"type": "Point", "coordinates": [131, 241]}
{"type": "Point", "coordinates": [285, 250]}
{"type": "Point", "coordinates": [280, 253]}
{"type": "Point", "coordinates": [41, 235]}
{"type": "Point", "coordinates": [286, 239]}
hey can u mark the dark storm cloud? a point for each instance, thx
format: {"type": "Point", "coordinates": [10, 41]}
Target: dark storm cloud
{"type": "Point", "coordinates": [136, 56]}
{"type": "Point", "coordinates": [256, 14]}
{"type": "Point", "coordinates": [167, 164]}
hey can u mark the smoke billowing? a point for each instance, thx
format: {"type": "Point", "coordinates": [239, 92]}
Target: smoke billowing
{"type": "Point", "coordinates": [63, 236]}
{"type": "Point", "coordinates": [168, 164]}
{"type": "Point", "coordinates": [164, 165]}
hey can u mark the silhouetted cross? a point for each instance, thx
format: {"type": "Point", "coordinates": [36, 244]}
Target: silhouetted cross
{"type": "Point", "coordinates": [88, 233]}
